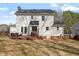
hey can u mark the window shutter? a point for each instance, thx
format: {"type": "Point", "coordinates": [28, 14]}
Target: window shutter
{"type": "Point", "coordinates": [22, 29]}
{"type": "Point", "coordinates": [25, 30]}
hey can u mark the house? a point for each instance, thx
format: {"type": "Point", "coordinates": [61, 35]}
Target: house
{"type": "Point", "coordinates": [4, 28]}
{"type": "Point", "coordinates": [41, 22]}
{"type": "Point", "coordinates": [75, 29]}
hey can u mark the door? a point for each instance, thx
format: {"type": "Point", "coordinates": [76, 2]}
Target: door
{"type": "Point", "coordinates": [34, 28]}
{"type": "Point", "coordinates": [34, 31]}
{"type": "Point", "coordinates": [24, 30]}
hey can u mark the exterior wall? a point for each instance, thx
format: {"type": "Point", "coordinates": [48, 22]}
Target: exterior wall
{"type": "Point", "coordinates": [23, 21]}
{"type": "Point", "coordinates": [56, 32]}
{"type": "Point", "coordinates": [47, 23]}
{"type": "Point", "coordinates": [12, 29]}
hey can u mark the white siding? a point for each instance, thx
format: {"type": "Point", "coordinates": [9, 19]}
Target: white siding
{"type": "Point", "coordinates": [56, 32]}
{"type": "Point", "coordinates": [12, 29]}
{"type": "Point", "coordinates": [23, 21]}
{"type": "Point", "coordinates": [49, 20]}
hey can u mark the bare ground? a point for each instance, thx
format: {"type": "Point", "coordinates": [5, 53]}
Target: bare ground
{"type": "Point", "coordinates": [16, 47]}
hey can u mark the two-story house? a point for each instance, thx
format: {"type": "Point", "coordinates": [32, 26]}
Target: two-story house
{"type": "Point", "coordinates": [38, 21]}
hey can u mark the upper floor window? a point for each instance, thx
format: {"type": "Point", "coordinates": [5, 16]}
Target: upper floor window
{"type": "Point", "coordinates": [31, 17]}
{"type": "Point", "coordinates": [34, 22]}
{"type": "Point", "coordinates": [57, 28]}
{"type": "Point", "coordinates": [43, 18]}
{"type": "Point", "coordinates": [47, 28]}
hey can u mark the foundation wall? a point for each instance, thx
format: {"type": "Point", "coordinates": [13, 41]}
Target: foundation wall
{"type": "Point", "coordinates": [64, 37]}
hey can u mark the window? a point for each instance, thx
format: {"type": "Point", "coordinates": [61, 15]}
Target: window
{"type": "Point", "coordinates": [43, 18]}
{"type": "Point", "coordinates": [34, 28]}
{"type": "Point", "coordinates": [25, 29]}
{"type": "Point", "coordinates": [47, 28]}
{"type": "Point", "coordinates": [34, 22]}
{"type": "Point", "coordinates": [22, 29]}
{"type": "Point", "coordinates": [31, 17]}
{"type": "Point", "coordinates": [57, 28]}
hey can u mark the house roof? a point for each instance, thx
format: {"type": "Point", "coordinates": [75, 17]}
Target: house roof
{"type": "Point", "coordinates": [75, 25]}
{"type": "Point", "coordinates": [59, 21]}
{"type": "Point", "coordinates": [75, 29]}
{"type": "Point", "coordinates": [35, 11]}
{"type": "Point", "coordinates": [58, 25]}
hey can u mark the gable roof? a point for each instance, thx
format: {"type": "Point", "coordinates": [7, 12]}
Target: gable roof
{"type": "Point", "coordinates": [75, 25]}
{"type": "Point", "coordinates": [58, 25]}
{"type": "Point", "coordinates": [33, 11]}
{"type": "Point", "coordinates": [75, 29]}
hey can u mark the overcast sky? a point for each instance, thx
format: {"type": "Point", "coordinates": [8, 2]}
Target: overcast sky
{"type": "Point", "coordinates": [7, 10]}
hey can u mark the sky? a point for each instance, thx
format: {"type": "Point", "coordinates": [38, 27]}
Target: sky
{"type": "Point", "coordinates": [7, 10]}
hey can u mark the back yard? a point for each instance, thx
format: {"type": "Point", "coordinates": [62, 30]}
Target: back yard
{"type": "Point", "coordinates": [15, 47]}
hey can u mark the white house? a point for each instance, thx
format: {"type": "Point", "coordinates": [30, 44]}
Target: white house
{"type": "Point", "coordinates": [38, 21]}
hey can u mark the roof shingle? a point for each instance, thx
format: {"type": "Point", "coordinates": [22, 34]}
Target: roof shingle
{"type": "Point", "coordinates": [34, 11]}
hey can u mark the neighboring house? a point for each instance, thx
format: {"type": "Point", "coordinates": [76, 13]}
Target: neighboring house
{"type": "Point", "coordinates": [38, 21]}
{"type": "Point", "coordinates": [75, 29]}
{"type": "Point", "coordinates": [4, 28]}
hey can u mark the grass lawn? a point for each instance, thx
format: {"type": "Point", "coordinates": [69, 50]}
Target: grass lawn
{"type": "Point", "coordinates": [16, 47]}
